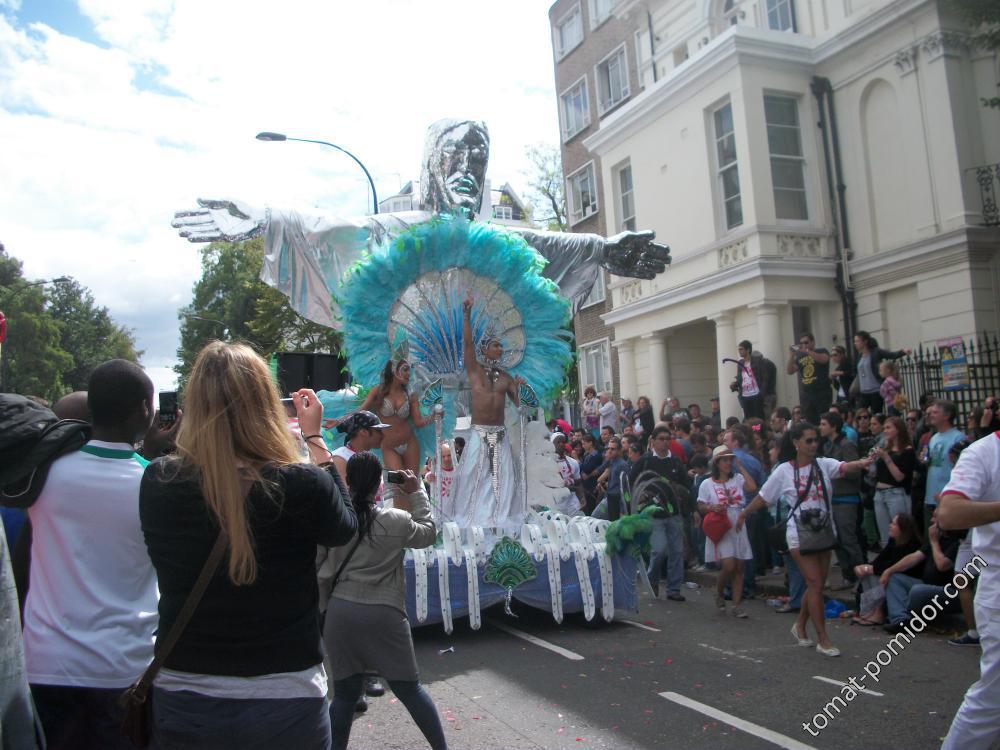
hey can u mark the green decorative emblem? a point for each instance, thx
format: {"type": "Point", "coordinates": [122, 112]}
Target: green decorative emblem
{"type": "Point", "coordinates": [509, 564]}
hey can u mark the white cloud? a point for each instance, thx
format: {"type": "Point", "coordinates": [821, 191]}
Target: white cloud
{"type": "Point", "coordinates": [105, 153]}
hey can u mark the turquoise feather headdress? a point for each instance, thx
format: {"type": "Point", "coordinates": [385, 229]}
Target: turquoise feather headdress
{"type": "Point", "coordinates": [413, 290]}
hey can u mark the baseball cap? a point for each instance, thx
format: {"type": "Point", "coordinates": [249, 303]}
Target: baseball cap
{"type": "Point", "coordinates": [361, 420]}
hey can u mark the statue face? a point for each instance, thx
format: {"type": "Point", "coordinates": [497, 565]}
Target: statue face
{"type": "Point", "coordinates": [462, 166]}
{"type": "Point", "coordinates": [455, 160]}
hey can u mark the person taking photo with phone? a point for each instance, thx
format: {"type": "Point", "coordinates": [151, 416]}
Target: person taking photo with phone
{"type": "Point", "coordinates": [366, 626]}
{"type": "Point", "coordinates": [247, 669]}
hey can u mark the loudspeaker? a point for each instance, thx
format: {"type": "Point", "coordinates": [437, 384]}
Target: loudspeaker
{"type": "Point", "coordinates": [321, 372]}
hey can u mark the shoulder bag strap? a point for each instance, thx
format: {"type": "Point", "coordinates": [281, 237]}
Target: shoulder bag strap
{"type": "Point", "coordinates": [802, 494]}
{"type": "Point", "coordinates": [162, 653]}
{"type": "Point", "coordinates": [350, 554]}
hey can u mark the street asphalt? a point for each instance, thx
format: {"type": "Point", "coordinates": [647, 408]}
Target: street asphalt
{"type": "Point", "coordinates": [680, 675]}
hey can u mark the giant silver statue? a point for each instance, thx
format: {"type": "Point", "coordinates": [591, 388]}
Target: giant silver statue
{"type": "Point", "coordinates": [305, 256]}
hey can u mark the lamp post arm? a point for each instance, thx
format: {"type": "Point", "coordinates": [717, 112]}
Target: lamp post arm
{"type": "Point", "coordinates": [357, 161]}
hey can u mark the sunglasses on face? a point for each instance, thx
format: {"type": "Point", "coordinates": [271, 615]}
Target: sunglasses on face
{"type": "Point", "coordinates": [810, 441]}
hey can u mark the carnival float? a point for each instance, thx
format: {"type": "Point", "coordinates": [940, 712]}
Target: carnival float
{"type": "Point", "coordinates": [398, 286]}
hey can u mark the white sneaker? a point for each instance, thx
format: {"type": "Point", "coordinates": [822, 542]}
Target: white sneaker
{"type": "Point", "coordinates": [804, 642]}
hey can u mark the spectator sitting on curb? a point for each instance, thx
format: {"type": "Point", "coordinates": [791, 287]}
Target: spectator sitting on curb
{"type": "Point", "coordinates": [904, 592]}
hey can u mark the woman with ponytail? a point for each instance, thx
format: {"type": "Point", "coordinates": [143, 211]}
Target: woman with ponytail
{"type": "Point", "coordinates": [366, 629]}
{"type": "Point", "coordinates": [247, 670]}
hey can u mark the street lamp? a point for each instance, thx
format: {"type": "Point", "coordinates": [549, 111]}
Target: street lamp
{"type": "Point", "coordinates": [22, 287]}
{"type": "Point", "coordinates": [267, 136]}
{"type": "Point", "coordinates": [225, 326]}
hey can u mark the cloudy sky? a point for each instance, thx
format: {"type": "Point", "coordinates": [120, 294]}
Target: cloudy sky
{"type": "Point", "coordinates": [115, 114]}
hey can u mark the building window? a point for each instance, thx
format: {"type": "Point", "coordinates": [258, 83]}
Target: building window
{"type": "Point", "coordinates": [729, 173]}
{"type": "Point", "coordinates": [582, 193]}
{"type": "Point", "coordinates": [801, 320]}
{"type": "Point", "coordinates": [626, 200]}
{"type": "Point", "coordinates": [787, 164]}
{"type": "Point", "coordinates": [612, 80]}
{"type": "Point", "coordinates": [595, 365]}
{"type": "Point", "coordinates": [597, 291]}
{"type": "Point", "coordinates": [576, 109]}
{"type": "Point", "coordinates": [569, 32]}
{"type": "Point", "coordinates": [730, 13]}
{"type": "Point", "coordinates": [779, 15]}
{"type": "Point", "coordinates": [503, 212]}
{"type": "Point", "coordinates": [600, 11]}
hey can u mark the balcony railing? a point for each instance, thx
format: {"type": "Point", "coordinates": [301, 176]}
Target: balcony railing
{"type": "Point", "coordinates": [988, 180]}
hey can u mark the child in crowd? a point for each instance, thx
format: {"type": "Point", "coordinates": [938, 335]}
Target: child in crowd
{"type": "Point", "coordinates": [890, 386]}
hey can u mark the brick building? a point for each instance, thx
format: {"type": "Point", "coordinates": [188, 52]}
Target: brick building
{"type": "Point", "coordinates": [594, 75]}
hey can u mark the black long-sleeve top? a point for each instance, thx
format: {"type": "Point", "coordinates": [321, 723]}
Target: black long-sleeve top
{"type": "Point", "coordinates": [906, 462]}
{"type": "Point", "coordinates": [266, 627]}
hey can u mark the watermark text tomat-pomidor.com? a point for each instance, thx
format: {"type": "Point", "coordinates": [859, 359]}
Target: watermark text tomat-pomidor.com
{"type": "Point", "coordinates": [918, 623]}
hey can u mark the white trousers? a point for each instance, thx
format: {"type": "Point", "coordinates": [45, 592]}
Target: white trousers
{"type": "Point", "coordinates": [976, 726]}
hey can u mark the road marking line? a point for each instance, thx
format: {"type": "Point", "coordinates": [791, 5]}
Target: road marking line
{"type": "Point", "coordinates": [844, 684]}
{"type": "Point", "coordinates": [747, 726]}
{"type": "Point", "coordinates": [635, 624]}
{"type": "Point", "coordinates": [731, 653]}
{"type": "Point", "coordinates": [572, 655]}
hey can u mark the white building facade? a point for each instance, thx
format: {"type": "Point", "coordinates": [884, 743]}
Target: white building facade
{"type": "Point", "coordinates": [721, 155]}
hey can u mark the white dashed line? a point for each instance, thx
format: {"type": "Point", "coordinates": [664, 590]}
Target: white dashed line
{"type": "Point", "coordinates": [749, 727]}
{"type": "Point", "coordinates": [635, 624]}
{"type": "Point", "coordinates": [572, 655]}
{"type": "Point", "coordinates": [844, 684]}
{"type": "Point", "coordinates": [731, 653]}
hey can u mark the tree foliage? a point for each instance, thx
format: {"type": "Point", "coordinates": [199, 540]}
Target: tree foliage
{"type": "Point", "coordinates": [231, 303]}
{"type": "Point", "coordinates": [56, 334]}
{"type": "Point", "coordinates": [546, 192]}
{"type": "Point", "coordinates": [984, 17]}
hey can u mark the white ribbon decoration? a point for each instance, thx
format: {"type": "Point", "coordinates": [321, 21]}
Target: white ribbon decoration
{"type": "Point", "coordinates": [444, 589]}
{"type": "Point", "coordinates": [555, 580]}
{"type": "Point", "coordinates": [419, 557]}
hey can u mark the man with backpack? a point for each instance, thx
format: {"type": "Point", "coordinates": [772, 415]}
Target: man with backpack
{"type": "Point", "coordinates": [660, 478]}
{"type": "Point", "coordinates": [91, 609]}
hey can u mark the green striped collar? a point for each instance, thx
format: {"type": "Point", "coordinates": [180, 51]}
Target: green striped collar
{"type": "Point", "coordinates": [102, 452]}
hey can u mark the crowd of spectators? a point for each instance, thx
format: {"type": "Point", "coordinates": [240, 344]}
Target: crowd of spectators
{"type": "Point", "coordinates": [278, 625]}
{"type": "Point", "coordinates": [883, 464]}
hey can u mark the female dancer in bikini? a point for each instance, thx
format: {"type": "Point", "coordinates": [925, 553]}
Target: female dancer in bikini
{"type": "Point", "coordinates": [399, 409]}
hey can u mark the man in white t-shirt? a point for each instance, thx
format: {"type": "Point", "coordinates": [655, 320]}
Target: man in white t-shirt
{"type": "Point", "coordinates": [569, 470]}
{"type": "Point", "coordinates": [971, 499]}
{"type": "Point", "coordinates": [607, 412]}
{"type": "Point", "coordinates": [92, 601]}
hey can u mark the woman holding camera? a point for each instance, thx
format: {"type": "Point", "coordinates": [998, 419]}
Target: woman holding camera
{"type": "Point", "coordinates": [247, 669]}
{"type": "Point", "coordinates": [366, 627]}
{"type": "Point", "coordinates": [810, 481]}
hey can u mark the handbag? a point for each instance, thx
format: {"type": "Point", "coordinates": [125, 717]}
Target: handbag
{"type": "Point", "coordinates": [814, 526]}
{"type": "Point", "coordinates": [716, 525]}
{"type": "Point", "coordinates": [137, 722]}
{"type": "Point", "coordinates": [776, 535]}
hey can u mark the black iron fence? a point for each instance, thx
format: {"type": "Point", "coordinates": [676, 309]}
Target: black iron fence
{"type": "Point", "coordinates": [925, 371]}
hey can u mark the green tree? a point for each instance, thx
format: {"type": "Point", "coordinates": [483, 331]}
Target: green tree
{"type": "Point", "coordinates": [87, 332]}
{"type": "Point", "coordinates": [984, 17]}
{"type": "Point", "coordinates": [231, 303]}
{"type": "Point", "coordinates": [546, 192]}
{"type": "Point", "coordinates": [31, 362]}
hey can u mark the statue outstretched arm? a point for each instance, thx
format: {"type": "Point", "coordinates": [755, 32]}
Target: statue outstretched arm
{"type": "Point", "coordinates": [575, 259]}
{"type": "Point", "coordinates": [305, 256]}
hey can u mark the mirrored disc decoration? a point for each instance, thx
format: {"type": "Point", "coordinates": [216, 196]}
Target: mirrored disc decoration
{"type": "Point", "coordinates": [428, 314]}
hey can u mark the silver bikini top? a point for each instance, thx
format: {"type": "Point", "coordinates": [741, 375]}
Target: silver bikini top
{"type": "Point", "coordinates": [388, 410]}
